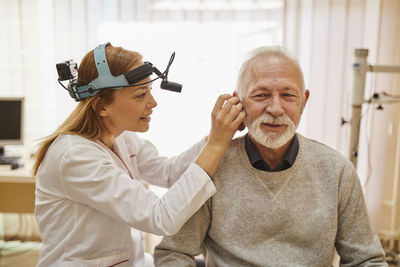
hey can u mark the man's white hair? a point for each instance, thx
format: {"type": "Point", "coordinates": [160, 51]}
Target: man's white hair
{"type": "Point", "coordinates": [264, 51]}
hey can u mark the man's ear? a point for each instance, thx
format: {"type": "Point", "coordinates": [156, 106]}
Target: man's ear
{"type": "Point", "coordinates": [98, 107]}
{"type": "Point", "coordinates": [306, 96]}
{"type": "Point", "coordinates": [241, 126]}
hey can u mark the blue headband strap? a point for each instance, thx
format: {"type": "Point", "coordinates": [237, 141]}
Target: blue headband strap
{"type": "Point", "coordinates": [104, 79]}
{"type": "Point", "coordinates": [101, 61]}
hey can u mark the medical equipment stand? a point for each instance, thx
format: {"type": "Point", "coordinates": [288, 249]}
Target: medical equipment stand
{"type": "Point", "coordinates": [361, 67]}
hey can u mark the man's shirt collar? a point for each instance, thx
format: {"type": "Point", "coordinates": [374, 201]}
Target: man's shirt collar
{"type": "Point", "coordinates": [258, 162]}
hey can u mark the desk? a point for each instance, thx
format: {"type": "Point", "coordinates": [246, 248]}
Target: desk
{"type": "Point", "coordinates": [17, 190]}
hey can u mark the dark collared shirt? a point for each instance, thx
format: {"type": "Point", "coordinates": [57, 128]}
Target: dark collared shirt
{"type": "Point", "coordinates": [258, 162]}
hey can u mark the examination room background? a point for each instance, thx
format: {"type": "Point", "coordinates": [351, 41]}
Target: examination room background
{"type": "Point", "coordinates": [210, 41]}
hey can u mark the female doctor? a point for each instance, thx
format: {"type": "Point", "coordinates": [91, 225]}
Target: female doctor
{"type": "Point", "coordinates": [89, 193]}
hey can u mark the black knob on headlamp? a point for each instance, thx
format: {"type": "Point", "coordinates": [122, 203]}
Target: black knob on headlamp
{"type": "Point", "coordinates": [171, 86]}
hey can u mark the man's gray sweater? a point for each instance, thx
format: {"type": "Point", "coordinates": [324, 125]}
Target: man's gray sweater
{"type": "Point", "coordinates": [294, 217]}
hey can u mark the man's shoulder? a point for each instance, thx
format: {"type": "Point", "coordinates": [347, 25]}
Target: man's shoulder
{"type": "Point", "coordinates": [235, 144]}
{"type": "Point", "coordinates": [233, 153]}
{"type": "Point", "coordinates": [237, 140]}
{"type": "Point", "coordinates": [320, 151]}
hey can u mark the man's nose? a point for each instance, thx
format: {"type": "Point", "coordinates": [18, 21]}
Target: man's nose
{"type": "Point", "coordinates": [274, 106]}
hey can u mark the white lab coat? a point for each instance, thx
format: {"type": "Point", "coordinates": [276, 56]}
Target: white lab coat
{"type": "Point", "coordinates": [89, 198]}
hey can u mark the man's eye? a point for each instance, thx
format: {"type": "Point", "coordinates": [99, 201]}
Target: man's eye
{"type": "Point", "coordinates": [260, 96]}
{"type": "Point", "coordinates": [289, 96]}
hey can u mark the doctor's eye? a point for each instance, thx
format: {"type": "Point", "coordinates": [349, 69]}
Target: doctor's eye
{"type": "Point", "coordinates": [140, 96]}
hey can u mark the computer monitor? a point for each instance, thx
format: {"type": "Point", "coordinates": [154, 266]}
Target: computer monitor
{"type": "Point", "coordinates": [11, 121]}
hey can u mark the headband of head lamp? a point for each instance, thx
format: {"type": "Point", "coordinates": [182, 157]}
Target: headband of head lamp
{"type": "Point", "coordinates": [68, 70]}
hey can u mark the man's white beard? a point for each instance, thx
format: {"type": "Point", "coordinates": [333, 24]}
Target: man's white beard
{"type": "Point", "coordinates": [272, 140]}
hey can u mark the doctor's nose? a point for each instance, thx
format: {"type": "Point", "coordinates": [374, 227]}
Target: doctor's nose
{"type": "Point", "coordinates": [151, 102]}
{"type": "Point", "coordinates": [274, 107]}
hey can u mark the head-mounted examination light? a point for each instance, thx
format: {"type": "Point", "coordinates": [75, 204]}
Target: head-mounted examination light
{"type": "Point", "coordinates": [68, 70]}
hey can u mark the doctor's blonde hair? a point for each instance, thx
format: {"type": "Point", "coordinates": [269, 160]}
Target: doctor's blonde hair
{"type": "Point", "coordinates": [84, 120]}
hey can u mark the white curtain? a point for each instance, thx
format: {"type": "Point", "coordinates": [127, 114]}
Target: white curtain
{"type": "Point", "coordinates": [324, 35]}
{"type": "Point", "coordinates": [37, 34]}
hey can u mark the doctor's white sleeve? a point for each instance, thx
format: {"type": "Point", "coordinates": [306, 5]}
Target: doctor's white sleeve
{"type": "Point", "coordinates": [163, 171]}
{"type": "Point", "coordinates": [97, 182]}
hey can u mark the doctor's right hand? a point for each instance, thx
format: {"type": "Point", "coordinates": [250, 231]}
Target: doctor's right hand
{"type": "Point", "coordinates": [226, 117]}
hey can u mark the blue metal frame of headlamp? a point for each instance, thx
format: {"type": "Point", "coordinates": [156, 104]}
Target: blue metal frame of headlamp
{"type": "Point", "coordinates": [106, 80]}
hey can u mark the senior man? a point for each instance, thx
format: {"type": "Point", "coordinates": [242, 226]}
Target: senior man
{"type": "Point", "coordinates": [282, 199]}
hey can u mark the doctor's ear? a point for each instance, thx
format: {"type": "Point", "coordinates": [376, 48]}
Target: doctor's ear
{"type": "Point", "coordinates": [98, 107]}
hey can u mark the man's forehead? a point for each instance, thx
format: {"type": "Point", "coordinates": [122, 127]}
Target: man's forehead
{"type": "Point", "coordinates": [274, 66]}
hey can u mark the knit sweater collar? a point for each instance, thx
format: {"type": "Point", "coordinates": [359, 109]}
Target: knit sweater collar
{"type": "Point", "coordinates": [241, 151]}
{"type": "Point", "coordinates": [258, 162]}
